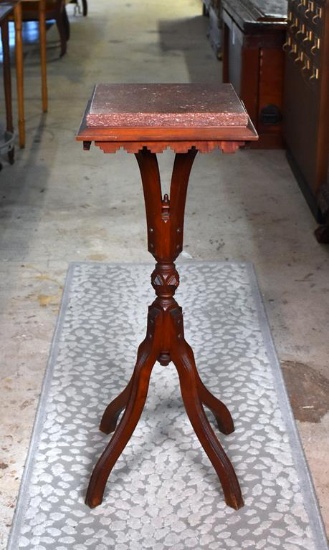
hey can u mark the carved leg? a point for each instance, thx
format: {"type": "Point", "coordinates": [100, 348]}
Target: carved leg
{"type": "Point", "coordinates": [147, 356]}
{"type": "Point", "coordinates": [182, 356]}
{"type": "Point", "coordinates": [220, 411]}
{"type": "Point", "coordinates": [114, 409]}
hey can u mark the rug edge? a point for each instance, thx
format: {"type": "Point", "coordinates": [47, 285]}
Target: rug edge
{"type": "Point", "coordinates": [21, 503]}
{"type": "Point", "coordinates": [307, 485]}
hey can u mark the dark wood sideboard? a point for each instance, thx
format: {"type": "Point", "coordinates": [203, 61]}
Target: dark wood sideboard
{"type": "Point", "coordinates": [254, 33]}
{"type": "Point", "coordinates": [306, 127]}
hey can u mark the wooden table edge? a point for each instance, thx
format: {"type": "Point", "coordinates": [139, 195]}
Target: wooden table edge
{"type": "Point", "coordinates": [169, 134]}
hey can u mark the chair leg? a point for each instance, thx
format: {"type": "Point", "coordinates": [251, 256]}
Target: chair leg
{"type": "Point", "coordinates": [63, 26]}
{"type": "Point", "coordinates": [66, 23]}
{"type": "Point", "coordinates": [84, 7]}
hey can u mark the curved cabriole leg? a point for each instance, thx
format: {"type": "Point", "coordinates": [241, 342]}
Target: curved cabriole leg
{"type": "Point", "coordinates": [147, 356]}
{"type": "Point", "coordinates": [114, 409]}
{"type": "Point", "coordinates": [122, 434]}
{"type": "Point", "coordinates": [217, 456]}
{"type": "Point", "coordinates": [182, 356]}
{"type": "Point", "coordinates": [219, 410]}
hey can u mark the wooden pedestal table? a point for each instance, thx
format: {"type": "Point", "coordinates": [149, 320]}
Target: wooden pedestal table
{"type": "Point", "coordinates": [145, 120]}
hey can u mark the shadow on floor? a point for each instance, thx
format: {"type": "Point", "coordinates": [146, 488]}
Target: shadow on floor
{"type": "Point", "coordinates": [185, 35]}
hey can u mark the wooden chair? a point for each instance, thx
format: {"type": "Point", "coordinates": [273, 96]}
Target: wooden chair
{"type": "Point", "coordinates": [54, 11]}
{"type": "Point", "coordinates": [43, 11]}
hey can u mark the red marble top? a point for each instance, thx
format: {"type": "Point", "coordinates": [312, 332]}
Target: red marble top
{"type": "Point", "coordinates": [165, 105]}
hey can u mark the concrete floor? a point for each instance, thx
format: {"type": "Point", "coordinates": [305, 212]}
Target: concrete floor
{"type": "Point", "coordinates": [60, 204]}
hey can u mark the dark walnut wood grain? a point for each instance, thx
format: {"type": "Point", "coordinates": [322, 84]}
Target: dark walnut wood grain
{"type": "Point", "coordinates": [121, 116]}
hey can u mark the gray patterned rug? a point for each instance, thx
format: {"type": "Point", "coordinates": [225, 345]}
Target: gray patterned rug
{"type": "Point", "coordinates": [163, 492]}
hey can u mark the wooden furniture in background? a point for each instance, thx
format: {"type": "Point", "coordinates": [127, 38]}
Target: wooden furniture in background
{"type": "Point", "coordinates": [145, 120]}
{"type": "Point", "coordinates": [43, 11]}
{"type": "Point", "coordinates": [52, 10]}
{"type": "Point", "coordinates": [41, 18]}
{"type": "Point", "coordinates": [8, 10]}
{"type": "Point", "coordinates": [306, 104]}
{"type": "Point", "coordinates": [253, 61]}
